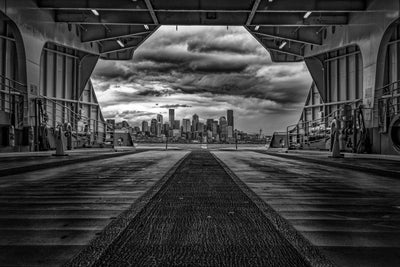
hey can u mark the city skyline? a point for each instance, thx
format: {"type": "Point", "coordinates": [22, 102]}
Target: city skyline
{"type": "Point", "coordinates": [160, 118]}
{"type": "Point", "coordinates": [203, 70]}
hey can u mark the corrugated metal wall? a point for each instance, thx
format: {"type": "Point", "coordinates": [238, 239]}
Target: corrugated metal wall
{"type": "Point", "coordinates": [12, 95]}
{"type": "Point", "coordinates": [343, 77]}
{"type": "Point", "coordinates": [62, 100]}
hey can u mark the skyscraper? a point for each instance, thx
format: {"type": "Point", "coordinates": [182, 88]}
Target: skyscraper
{"type": "Point", "coordinates": [186, 125]}
{"type": "Point", "coordinates": [145, 126]}
{"type": "Point", "coordinates": [195, 123]}
{"type": "Point", "coordinates": [215, 129]}
{"type": "Point", "coordinates": [177, 125]}
{"type": "Point", "coordinates": [153, 127]}
{"type": "Point", "coordinates": [160, 118]}
{"type": "Point", "coordinates": [209, 124]}
{"type": "Point", "coordinates": [230, 118]}
{"type": "Point", "coordinates": [159, 124]}
{"type": "Point", "coordinates": [171, 117]}
{"type": "Point", "coordinates": [223, 124]}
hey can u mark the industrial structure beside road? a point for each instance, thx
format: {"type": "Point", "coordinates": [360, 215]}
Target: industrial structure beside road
{"type": "Point", "coordinates": [50, 48]}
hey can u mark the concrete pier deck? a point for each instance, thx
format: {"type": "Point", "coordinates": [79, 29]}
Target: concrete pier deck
{"type": "Point", "coordinates": [47, 216]}
{"type": "Point", "coordinates": [51, 215]}
{"type": "Point", "coordinates": [352, 216]}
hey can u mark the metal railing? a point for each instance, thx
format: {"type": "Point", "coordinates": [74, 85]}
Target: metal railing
{"type": "Point", "coordinates": [388, 103]}
{"type": "Point", "coordinates": [58, 117]}
{"type": "Point", "coordinates": [13, 100]}
{"type": "Point", "coordinates": [306, 133]}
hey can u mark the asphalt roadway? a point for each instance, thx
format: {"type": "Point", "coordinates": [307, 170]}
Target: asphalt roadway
{"type": "Point", "coordinates": [225, 208]}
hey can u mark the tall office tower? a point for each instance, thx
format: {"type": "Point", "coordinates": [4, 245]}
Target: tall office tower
{"type": "Point", "coordinates": [223, 124]}
{"type": "Point", "coordinates": [160, 119]}
{"type": "Point", "coordinates": [153, 127]}
{"type": "Point", "coordinates": [230, 132]}
{"type": "Point", "coordinates": [177, 125]}
{"type": "Point", "coordinates": [186, 125]}
{"type": "Point", "coordinates": [230, 118]}
{"type": "Point", "coordinates": [145, 126]}
{"type": "Point", "coordinates": [159, 124]}
{"type": "Point", "coordinates": [171, 117]}
{"type": "Point", "coordinates": [166, 129]}
{"type": "Point", "coordinates": [195, 123]}
{"type": "Point", "coordinates": [200, 127]}
{"type": "Point", "coordinates": [209, 124]}
{"type": "Point", "coordinates": [215, 128]}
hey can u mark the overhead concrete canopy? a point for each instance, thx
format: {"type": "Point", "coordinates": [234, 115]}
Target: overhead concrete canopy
{"type": "Point", "coordinates": [283, 27]}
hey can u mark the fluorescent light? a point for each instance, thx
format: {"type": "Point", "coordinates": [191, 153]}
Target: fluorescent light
{"type": "Point", "coordinates": [94, 11]}
{"type": "Point", "coordinates": [283, 45]}
{"type": "Point", "coordinates": [146, 27]}
{"type": "Point", "coordinates": [270, 1]}
{"type": "Point", "coordinates": [256, 28]}
{"type": "Point", "coordinates": [120, 43]}
{"type": "Point", "coordinates": [307, 14]}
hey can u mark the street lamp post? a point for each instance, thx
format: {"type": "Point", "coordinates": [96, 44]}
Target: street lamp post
{"type": "Point", "coordinates": [236, 141]}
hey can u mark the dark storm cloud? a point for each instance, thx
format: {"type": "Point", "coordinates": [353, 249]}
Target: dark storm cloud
{"type": "Point", "coordinates": [213, 66]}
{"type": "Point", "coordinates": [199, 46]}
{"type": "Point", "coordinates": [175, 106]}
{"type": "Point", "coordinates": [153, 93]}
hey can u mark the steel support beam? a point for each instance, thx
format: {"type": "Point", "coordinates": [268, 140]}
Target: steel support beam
{"type": "Point", "coordinates": [151, 10]}
{"type": "Point", "coordinates": [253, 12]}
{"type": "Point", "coordinates": [305, 35]}
{"type": "Point", "coordinates": [217, 6]}
{"type": "Point", "coordinates": [297, 19]}
{"type": "Point", "coordinates": [97, 33]}
{"type": "Point", "coordinates": [313, 5]}
{"type": "Point", "coordinates": [113, 46]}
{"type": "Point", "coordinates": [140, 18]}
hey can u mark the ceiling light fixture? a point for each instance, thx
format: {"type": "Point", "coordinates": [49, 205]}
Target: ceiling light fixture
{"type": "Point", "coordinates": [307, 14]}
{"type": "Point", "coordinates": [283, 45]}
{"type": "Point", "coordinates": [257, 27]}
{"type": "Point", "coordinates": [146, 27]}
{"type": "Point", "coordinates": [94, 11]}
{"type": "Point", "coordinates": [120, 43]}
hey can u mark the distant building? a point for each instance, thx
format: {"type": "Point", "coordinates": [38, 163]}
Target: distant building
{"type": "Point", "coordinates": [176, 125]}
{"type": "Point", "coordinates": [153, 127]}
{"type": "Point", "coordinates": [166, 129]}
{"type": "Point", "coordinates": [215, 129]}
{"type": "Point", "coordinates": [195, 123]}
{"type": "Point", "coordinates": [176, 133]}
{"type": "Point", "coordinates": [186, 126]}
{"type": "Point", "coordinates": [230, 118]}
{"type": "Point", "coordinates": [136, 129]}
{"type": "Point", "coordinates": [145, 126]}
{"type": "Point", "coordinates": [230, 132]}
{"type": "Point", "coordinates": [209, 124]}
{"type": "Point", "coordinates": [171, 117]}
{"type": "Point", "coordinates": [223, 124]}
{"type": "Point", "coordinates": [159, 124]}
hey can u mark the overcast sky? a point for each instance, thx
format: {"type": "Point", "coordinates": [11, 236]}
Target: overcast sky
{"type": "Point", "coordinates": [203, 70]}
